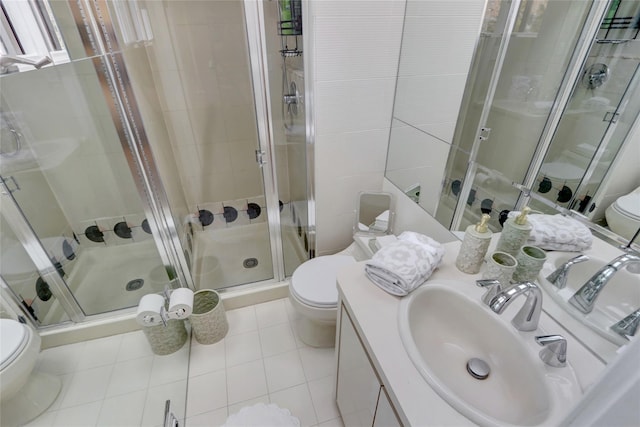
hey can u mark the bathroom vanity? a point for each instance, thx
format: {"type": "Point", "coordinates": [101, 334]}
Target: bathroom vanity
{"type": "Point", "coordinates": [379, 384]}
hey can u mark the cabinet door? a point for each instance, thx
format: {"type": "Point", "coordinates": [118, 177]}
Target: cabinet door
{"type": "Point", "coordinates": [385, 414]}
{"type": "Point", "coordinates": [358, 386]}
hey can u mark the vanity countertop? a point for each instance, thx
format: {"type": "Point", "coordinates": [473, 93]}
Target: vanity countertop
{"type": "Point", "coordinates": [375, 315]}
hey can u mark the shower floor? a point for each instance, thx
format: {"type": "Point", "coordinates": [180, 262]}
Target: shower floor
{"type": "Point", "coordinates": [239, 255]}
{"type": "Point", "coordinates": [100, 276]}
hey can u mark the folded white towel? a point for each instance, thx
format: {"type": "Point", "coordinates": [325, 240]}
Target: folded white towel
{"type": "Point", "coordinates": [558, 233]}
{"type": "Point", "coordinates": [402, 266]}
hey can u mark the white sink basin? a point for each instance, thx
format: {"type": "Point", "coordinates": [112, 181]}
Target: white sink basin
{"type": "Point", "coordinates": [619, 298]}
{"type": "Point", "coordinates": [442, 329]}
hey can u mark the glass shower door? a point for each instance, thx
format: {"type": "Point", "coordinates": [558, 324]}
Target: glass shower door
{"type": "Point", "coordinates": [72, 183]}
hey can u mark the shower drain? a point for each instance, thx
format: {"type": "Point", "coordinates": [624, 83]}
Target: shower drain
{"type": "Point", "coordinates": [134, 284]}
{"type": "Point", "coordinates": [250, 262]}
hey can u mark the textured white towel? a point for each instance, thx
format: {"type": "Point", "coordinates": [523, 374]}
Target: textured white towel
{"type": "Point", "coordinates": [402, 266]}
{"type": "Point", "coordinates": [558, 233]}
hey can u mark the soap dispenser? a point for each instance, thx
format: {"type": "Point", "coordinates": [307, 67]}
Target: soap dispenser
{"type": "Point", "coordinates": [474, 246]}
{"type": "Point", "coordinates": [515, 233]}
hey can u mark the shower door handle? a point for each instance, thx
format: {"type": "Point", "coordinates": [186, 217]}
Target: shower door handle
{"type": "Point", "coordinates": [260, 157]}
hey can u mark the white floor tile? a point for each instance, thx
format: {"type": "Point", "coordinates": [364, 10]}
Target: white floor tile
{"type": "Point", "coordinates": [87, 386]}
{"type": "Point", "coordinates": [297, 400]}
{"type": "Point", "coordinates": [277, 339]}
{"type": "Point", "coordinates": [206, 358]}
{"type": "Point", "coordinates": [133, 346]}
{"type": "Point", "coordinates": [66, 382]}
{"type": "Point", "coordinates": [242, 348]}
{"type": "Point", "coordinates": [323, 398]}
{"type": "Point", "coordinates": [271, 313]}
{"type": "Point", "coordinates": [242, 320]}
{"type": "Point", "coordinates": [130, 375]}
{"type": "Point", "coordinates": [317, 362]}
{"type": "Point", "coordinates": [292, 314]}
{"type": "Point", "coordinates": [45, 420]}
{"type": "Point", "coordinates": [283, 371]}
{"type": "Point", "coordinates": [78, 416]}
{"type": "Point", "coordinates": [99, 352]}
{"type": "Point", "coordinates": [208, 419]}
{"type": "Point", "coordinates": [169, 368]}
{"type": "Point", "coordinates": [123, 411]}
{"type": "Point", "coordinates": [60, 360]}
{"type": "Point", "coordinates": [246, 381]}
{"type": "Point", "coordinates": [207, 392]}
{"type": "Point", "coordinates": [336, 422]}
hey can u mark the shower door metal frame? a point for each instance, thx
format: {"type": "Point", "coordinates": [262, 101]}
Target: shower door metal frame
{"type": "Point", "coordinates": [255, 28]}
{"type": "Point", "coordinates": [95, 26]}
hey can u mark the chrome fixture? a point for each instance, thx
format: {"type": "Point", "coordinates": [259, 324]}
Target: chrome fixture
{"type": "Point", "coordinates": [529, 315]}
{"type": "Point", "coordinates": [554, 352]}
{"type": "Point", "coordinates": [559, 277]}
{"type": "Point", "coordinates": [628, 326]}
{"type": "Point", "coordinates": [585, 298]}
{"type": "Point", "coordinates": [8, 63]}
{"type": "Point", "coordinates": [595, 76]}
{"type": "Point", "coordinates": [492, 286]}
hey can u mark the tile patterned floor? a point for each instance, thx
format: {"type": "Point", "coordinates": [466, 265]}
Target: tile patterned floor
{"type": "Point", "coordinates": [118, 381]}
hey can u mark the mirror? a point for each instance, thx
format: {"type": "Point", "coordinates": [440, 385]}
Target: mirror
{"type": "Point", "coordinates": [374, 213]}
{"type": "Point", "coordinates": [539, 124]}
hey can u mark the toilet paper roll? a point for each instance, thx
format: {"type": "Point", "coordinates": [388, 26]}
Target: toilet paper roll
{"type": "Point", "coordinates": [148, 313]}
{"type": "Point", "coordinates": [181, 302]}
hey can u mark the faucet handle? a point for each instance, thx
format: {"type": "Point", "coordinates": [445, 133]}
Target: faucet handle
{"type": "Point", "coordinates": [493, 288]}
{"type": "Point", "coordinates": [554, 352]}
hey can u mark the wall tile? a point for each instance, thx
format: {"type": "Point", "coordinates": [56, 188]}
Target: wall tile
{"type": "Point", "coordinates": [357, 47]}
{"type": "Point", "coordinates": [349, 106]}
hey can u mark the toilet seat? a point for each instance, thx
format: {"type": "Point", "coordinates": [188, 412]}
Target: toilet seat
{"type": "Point", "coordinates": [15, 338]}
{"type": "Point", "coordinates": [314, 281]}
{"type": "Point", "coordinates": [629, 205]}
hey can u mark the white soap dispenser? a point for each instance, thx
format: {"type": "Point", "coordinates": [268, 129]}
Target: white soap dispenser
{"type": "Point", "coordinates": [474, 246]}
{"type": "Point", "coordinates": [515, 233]}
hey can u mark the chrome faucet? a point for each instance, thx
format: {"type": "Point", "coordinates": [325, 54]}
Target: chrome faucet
{"type": "Point", "coordinates": [585, 298]}
{"type": "Point", "coordinates": [529, 315]}
{"type": "Point", "coordinates": [559, 277]}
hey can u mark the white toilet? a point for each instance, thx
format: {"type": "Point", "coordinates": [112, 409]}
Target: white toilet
{"type": "Point", "coordinates": [623, 215]}
{"type": "Point", "coordinates": [24, 393]}
{"type": "Point", "coordinates": [312, 288]}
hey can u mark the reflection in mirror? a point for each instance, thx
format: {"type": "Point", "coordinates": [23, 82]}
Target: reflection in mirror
{"type": "Point", "coordinates": [375, 213]}
{"type": "Point", "coordinates": [526, 119]}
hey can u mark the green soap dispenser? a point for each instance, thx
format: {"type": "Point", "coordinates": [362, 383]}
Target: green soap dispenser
{"type": "Point", "coordinates": [474, 246]}
{"type": "Point", "coordinates": [515, 233]}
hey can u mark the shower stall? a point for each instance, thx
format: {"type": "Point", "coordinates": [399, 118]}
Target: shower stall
{"type": "Point", "coordinates": [144, 145]}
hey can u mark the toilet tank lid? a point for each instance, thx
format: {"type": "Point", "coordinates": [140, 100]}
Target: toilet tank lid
{"type": "Point", "coordinates": [315, 280]}
{"type": "Point", "coordinates": [13, 335]}
{"type": "Point", "coordinates": [630, 204]}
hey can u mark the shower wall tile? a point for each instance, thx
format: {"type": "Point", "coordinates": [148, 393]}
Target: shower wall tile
{"type": "Point", "coordinates": [359, 8]}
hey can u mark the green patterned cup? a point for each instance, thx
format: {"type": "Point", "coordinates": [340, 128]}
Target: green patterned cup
{"type": "Point", "coordinates": [530, 262]}
{"type": "Point", "coordinates": [500, 266]}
